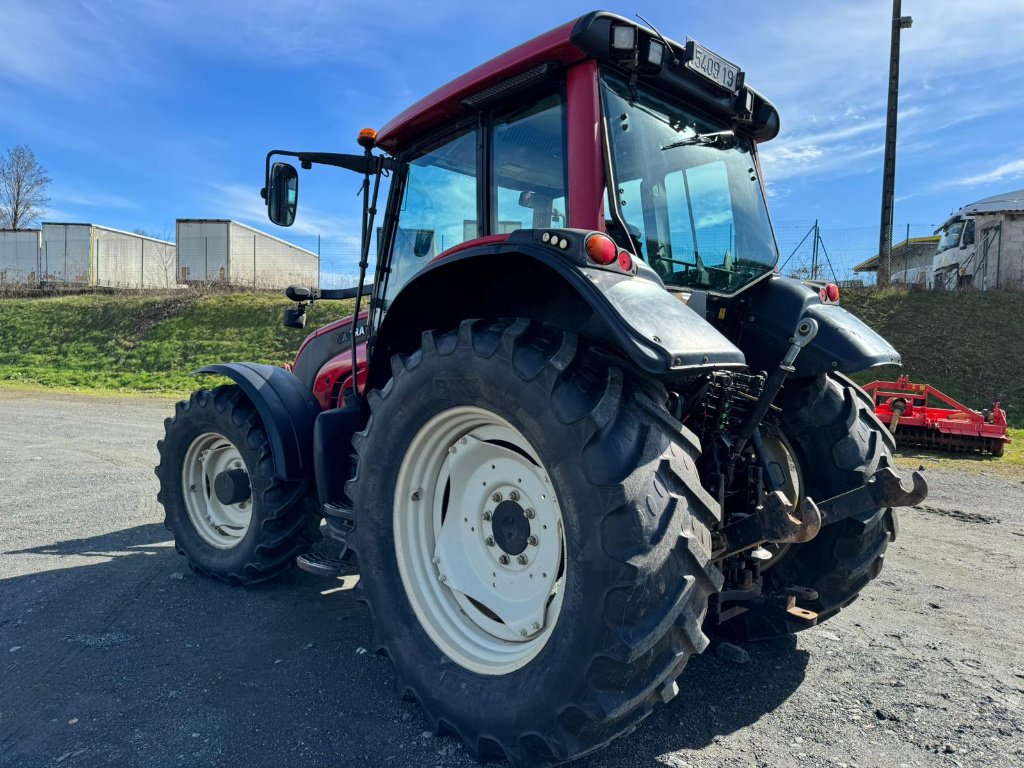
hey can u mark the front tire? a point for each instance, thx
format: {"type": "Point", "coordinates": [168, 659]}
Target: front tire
{"type": "Point", "coordinates": [251, 528]}
{"type": "Point", "coordinates": [627, 517]}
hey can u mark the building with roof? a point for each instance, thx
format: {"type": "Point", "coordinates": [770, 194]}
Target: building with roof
{"type": "Point", "coordinates": [910, 261]}
{"type": "Point", "coordinates": [19, 255]}
{"type": "Point", "coordinates": [225, 251]}
{"type": "Point", "coordinates": [982, 245]}
{"type": "Point", "coordinates": [92, 255]}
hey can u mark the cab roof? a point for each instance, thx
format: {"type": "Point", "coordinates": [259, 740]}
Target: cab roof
{"type": "Point", "coordinates": [565, 45]}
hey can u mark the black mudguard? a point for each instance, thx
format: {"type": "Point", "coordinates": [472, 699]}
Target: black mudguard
{"type": "Point", "coordinates": [844, 342]}
{"type": "Point", "coordinates": [526, 277]}
{"type": "Point", "coordinates": [287, 408]}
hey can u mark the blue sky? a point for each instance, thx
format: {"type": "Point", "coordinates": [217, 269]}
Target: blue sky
{"type": "Point", "coordinates": [148, 110]}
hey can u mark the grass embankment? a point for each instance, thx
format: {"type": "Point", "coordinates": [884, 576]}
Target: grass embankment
{"type": "Point", "coordinates": [969, 345]}
{"type": "Point", "coordinates": [143, 343]}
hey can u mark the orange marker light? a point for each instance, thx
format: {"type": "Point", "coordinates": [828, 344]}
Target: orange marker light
{"type": "Point", "coordinates": [367, 138]}
{"type": "Point", "coordinates": [601, 249]}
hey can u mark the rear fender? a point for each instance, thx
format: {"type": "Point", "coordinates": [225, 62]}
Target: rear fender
{"type": "Point", "coordinates": [522, 276]}
{"type": "Point", "coordinates": [844, 343]}
{"type": "Point", "coordinates": [287, 408]}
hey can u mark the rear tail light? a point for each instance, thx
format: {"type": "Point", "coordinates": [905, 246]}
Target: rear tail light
{"type": "Point", "coordinates": [625, 261]}
{"type": "Point", "coordinates": [832, 292]}
{"type": "Point", "coordinates": [602, 250]}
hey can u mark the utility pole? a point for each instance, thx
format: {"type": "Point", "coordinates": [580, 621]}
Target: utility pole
{"type": "Point", "coordinates": [898, 23]}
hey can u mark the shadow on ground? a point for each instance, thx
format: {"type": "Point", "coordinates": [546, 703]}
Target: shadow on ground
{"type": "Point", "coordinates": [118, 655]}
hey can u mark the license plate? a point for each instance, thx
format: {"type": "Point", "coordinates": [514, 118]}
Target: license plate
{"type": "Point", "coordinates": [713, 67]}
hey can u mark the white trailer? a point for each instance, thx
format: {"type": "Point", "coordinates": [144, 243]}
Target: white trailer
{"type": "Point", "coordinates": [225, 251]}
{"type": "Point", "coordinates": [89, 254]}
{"type": "Point", "coordinates": [19, 255]}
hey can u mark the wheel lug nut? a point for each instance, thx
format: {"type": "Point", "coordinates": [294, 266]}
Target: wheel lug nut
{"type": "Point", "coordinates": [489, 541]}
{"type": "Point", "coordinates": [503, 559]}
{"type": "Point", "coordinates": [530, 514]}
{"type": "Point", "coordinates": [513, 495]}
{"type": "Point", "coordinates": [522, 559]}
{"type": "Point", "coordinates": [487, 514]}
{"type": "Point", "coordinates": [533, 541]}
{"type": "Point", "coordinates": [496, 497]}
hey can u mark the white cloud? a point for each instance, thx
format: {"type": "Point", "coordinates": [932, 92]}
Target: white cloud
{"type": "Point", "coordinates": [1014, 169]}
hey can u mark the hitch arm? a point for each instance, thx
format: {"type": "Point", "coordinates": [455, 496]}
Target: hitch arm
{"type": "Point", "coordinates": [776, 521]}
{"type": "Point", "coordinates": [883, 489]}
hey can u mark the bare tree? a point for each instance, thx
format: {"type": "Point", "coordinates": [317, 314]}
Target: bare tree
{"type": "Point", "coordinates": [23, 183]}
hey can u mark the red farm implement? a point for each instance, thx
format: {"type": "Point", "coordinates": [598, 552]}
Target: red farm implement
{"type": "Point", "coordinates": [913, 416]}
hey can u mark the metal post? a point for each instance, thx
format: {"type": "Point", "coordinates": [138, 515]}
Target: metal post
{"type": "Point", "coordinates": [142, 265]}
{"type": "Point", "coordinates": [206, 259]}
{"type": "Point", "coordinates": [999, 253]}
{"type": "Point", "coordinates": [906, 255]}
{"type": "Point", "coordinates": [254, 262]}
{"type": "Point", "coordinates": [814, 253]}
{"type": "Point", "coordinates": [318, 261]}
{"type": "Point", "coordinates": [897, 23]}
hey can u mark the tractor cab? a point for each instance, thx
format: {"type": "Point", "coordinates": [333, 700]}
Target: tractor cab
{"type": "Point", "coordinates": [600, 125]}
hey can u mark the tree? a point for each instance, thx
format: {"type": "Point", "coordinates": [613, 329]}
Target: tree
{"type": "Point", "coordinates": [23, 183]}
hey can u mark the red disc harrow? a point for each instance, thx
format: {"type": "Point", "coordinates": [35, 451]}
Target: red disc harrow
{"type": "Point", "coordinates": [915, 418]}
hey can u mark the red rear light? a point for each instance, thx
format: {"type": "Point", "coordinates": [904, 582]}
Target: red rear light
{"type": "Point", "coordinates": [625, 261]}
{"type": "Point", "coordinates": [832, 292]}
{"type": "Point", "coordinates": [601, 249]}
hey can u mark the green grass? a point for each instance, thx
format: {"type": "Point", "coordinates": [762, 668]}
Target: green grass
{"type": "Point", "coordinates": [1011, 464]}
{"type": "Point", "coordinates": [969, 345]}
{"type": "Point", "coordinates": [143, 343]}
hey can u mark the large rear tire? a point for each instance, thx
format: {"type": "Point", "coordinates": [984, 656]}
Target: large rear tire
{"type": "Point", "coordinates": [829, 425]}
{"type": "Point", "coordinates": [519, 411]}
{"type": "Point", "coordinates": [247, 526]}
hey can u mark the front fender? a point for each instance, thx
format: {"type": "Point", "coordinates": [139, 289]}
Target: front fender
{"type": "Point", "coordinates": [844, 343]}
{"type": "Point", "coordinates": [287, 408]}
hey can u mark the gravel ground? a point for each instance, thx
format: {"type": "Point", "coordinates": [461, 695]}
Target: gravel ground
{"type": "Point", "coordinates": [112, 653]}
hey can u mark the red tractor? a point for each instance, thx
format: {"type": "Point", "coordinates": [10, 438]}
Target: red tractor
{"type": "Point", "coordinates": [577, 422]}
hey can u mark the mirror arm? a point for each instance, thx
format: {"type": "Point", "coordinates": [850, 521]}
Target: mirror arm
{"type": "Point", "coordinates": [366, 163]}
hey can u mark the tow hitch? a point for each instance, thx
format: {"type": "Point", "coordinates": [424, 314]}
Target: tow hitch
{"type": "Point", "coordinates": [883, 489]}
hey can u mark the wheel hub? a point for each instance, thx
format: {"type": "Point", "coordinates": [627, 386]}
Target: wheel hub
{"type": "Point", "coordinates": [232, 486]}
{"type": "Point", "coordinates": [511, 528]}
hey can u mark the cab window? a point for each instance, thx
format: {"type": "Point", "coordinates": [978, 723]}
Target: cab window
{"type": "Point", "coordinates": [528, 167]}
{"type": "Point", "coordinates": [439, 206]}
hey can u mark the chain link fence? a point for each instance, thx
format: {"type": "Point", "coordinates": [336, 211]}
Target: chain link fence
{"type": "Point", "coordinates": [813, 250]}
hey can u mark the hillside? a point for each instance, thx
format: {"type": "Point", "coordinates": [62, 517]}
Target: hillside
{"type": "Point", "coordinates": [971, 345]}
{"type": "Point", "coordinates": [143, 343]}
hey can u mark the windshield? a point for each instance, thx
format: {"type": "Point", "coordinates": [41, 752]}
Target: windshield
{"type": "Point", "coordinates": [951, 236]}
{"type": "Point", "coordinates": [695, 211]}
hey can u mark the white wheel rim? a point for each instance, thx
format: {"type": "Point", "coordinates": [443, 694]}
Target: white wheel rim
{"type": "Point", "coordinates": [487, 606]}
{"type": "Point", "coordinates": [220, 525]}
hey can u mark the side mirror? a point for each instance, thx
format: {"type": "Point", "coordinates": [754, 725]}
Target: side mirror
{"type": "Point", "coordinates": [282, 194]}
